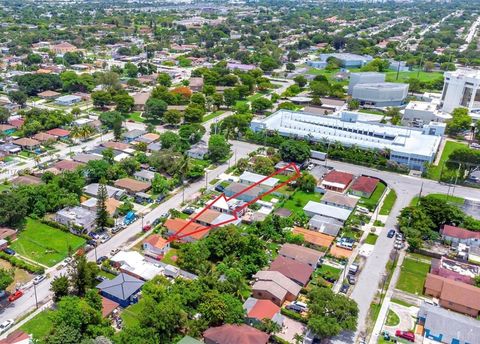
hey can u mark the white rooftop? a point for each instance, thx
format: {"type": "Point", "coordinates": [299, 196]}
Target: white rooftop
{"type": "Point", "coordinates": [136, 264]}
{"type": "Point", "coordinates": [256, 178]}
{"type": "Point", "coordinates": [327, 210]}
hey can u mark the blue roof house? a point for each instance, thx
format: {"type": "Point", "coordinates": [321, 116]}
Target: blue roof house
{"type": "Point", "coordinates": [123, 289]}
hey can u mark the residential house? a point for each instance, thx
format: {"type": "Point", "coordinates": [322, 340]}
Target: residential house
{"type": "Point", "coordinates": [257, 310]}
{"type": "Point", "coordinates": [92, 191]}
{"type": "Point", "coordinates": [67, 165]}
{"type": "Point", "coordinates": [144, 176]}
{"type": "Point", "coordinates": [221, 205]}
{"type": "Point", "coordinates": [198, 150]}
{"type": "Point", "coordinates": [111, 204]}
{"type": "Point", "coordinates": [26, 180]}
{"type": "Point", "coordinates": [76, 216]}
{"type": "Point", "coordinates": [8, 233]}
{"type": "Point", "coordinates": [148, 138]}
{"type": "Point", "coordinates": [140, 100]}
{"type": "Point", "coordinates": [61, 134]}
{"type": "Point", "coordinates": [132, 186]}
{"type": "Point", "coordinates": [282, 166]}
{"type": "Point", "coordinates": [123, 289]}
{"type": "Point", "coordinates": [68, 100]}
{"type": "Point", "coordinates": [250, 178]}
{"type": "Point", "coordinates": [455, 270]}
{"type": "Point", "coordinates": [443, 326]}
{"type": "Point", "coordinates": [235, 334]}
{"type": "Point", "coordinates": [240, 191]}
{"type": "Point", "coordinates": [313, 208]}
{"type": "Point", "coordinates": [189, 340]}
{"type": "Point", "coordinates": [155, 245]}
{"type": "Point", "coordinates": [135, 265]}
{"type": "Point", "coordinates": [302, 254]}
{"type": "Point", "coordinates": [457, 296]}
{"type": "Point", "coordinates": [44, 137]}
{"type": "Point", "coordinates": [27, 143]}
{"type": "Point", "coordinates": [326, 225]}
{"type": "Point", "coordinates": [314, 238]}
{"type": "Point", "coordinates": [132, 135]}
{"type": "Point", "coordinates": [457, 235]}
{"type": "Point", "coordinates": [339, 200]}
{"type": "Point", "coordinates": [276, 280]}
{"type": "Point", "coordinates": [142, 197]}
{"type": "Point", "coordinates": [48, 95]}
{"type": "Point", "coordinates": [154, 147]}
{"type": "Point", "coordinates": [283, 212]}
{"type": "Point", "coordinates": [118, 146]}
{"type": "Point", "coordinates": [336, 181]}
{"type": "Point", "coordinates": [9, 148]}
{"type": "Point", "coordinates": [84, 158]}
{"type": "Point", "coordinates": [297, 271]}
{"type": "Point", "coordinates": [364, 186]}
{"type": "Point", "coordinates": [7, 129]}
{"type": "Point", "coordinates": [189, 231]}
{"type": "Point", "coordinates": [108, 306]}
{"type": "Point", "coordinates": [62, 48]}
{"type": "Point", "coordinates": [239, 66]}
{"type": "Point", "coordinates": [17, 337]}
{"type": "Point", "coordinates": [206, 217]}
{"type": "Point", "coordinates": [196, 84]}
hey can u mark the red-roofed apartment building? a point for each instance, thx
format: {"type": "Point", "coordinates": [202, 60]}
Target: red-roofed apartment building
{"type": "Point", "coordinates": [235, 334]}
{"type": "Point", "coordinates": [337, 181]}
{"type": "Point", "coordinates": [364, 186]}
{"type": "Point", "coordinates": [457, 235]}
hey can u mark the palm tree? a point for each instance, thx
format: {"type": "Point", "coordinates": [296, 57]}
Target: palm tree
{"type": "Point", "coordinates": [75, 132]}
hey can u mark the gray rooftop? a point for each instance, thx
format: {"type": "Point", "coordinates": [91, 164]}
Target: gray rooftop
{"type": "Point", "coordinates": [92, 190]}
{"type": "Point", "coordinates": [122, 287]}
{"type": "Point", "coordinates": [133, 134]}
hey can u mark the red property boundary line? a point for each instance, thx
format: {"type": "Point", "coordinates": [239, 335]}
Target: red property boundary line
{"type": "Point", "coordinates": [178, 235]}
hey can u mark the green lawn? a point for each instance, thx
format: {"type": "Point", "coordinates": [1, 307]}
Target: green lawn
{"type": "Point", "coordinates": [371, 239]}
{"type": "Point", "coordinates": [299, 199]}
{"type": "Point", "coordinates": [371, 203]}
{"type": "Point", "coordinates": [412, 276]}
{"type": "Point", "coordinates": [404, 76]}
{"type": "Point", "coordinates": [388, 203]}
{"type": "Point", "coordinates": [372, 112]}
{"type": "Point", "coordinates": [45, 244]}
{"type": "Point", "coordinates": [167, 259]}
{"type": "Point", "coordinates": [39, 326]}
{"type": "Point", "coordinates": [4, 187]}
{"type": "Point", "coordinates": [136, 116]}
{"type": "Point", "coordinates": [443, 197]}
{"type": "Point", "coordinates": [435, 171]}
{"type": "Point", "coordinates": [401, 302]}
{"type": "Point", "coordinates": [212, 115]}
{"type": "Point", "coordinates": [392, 318]}
{"type": "Point", "coordinates": [327, 270]}
{"type": "Point", "coordinates": [130, 314]}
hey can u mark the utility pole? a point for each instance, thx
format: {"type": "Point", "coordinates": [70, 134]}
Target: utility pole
{"type": "Point", "coordinates": [35, 292]}
{"type": "Point", "coordinates": [420, 67]}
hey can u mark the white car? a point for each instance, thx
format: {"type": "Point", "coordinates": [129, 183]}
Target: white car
{"type": "Point", "coordinates": [6, 325]}
{"type": "Point", "coordinates": [38, 279]}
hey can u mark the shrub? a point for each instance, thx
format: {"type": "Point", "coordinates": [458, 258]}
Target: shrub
{"type": "Point", "coordinates": [35, 269]}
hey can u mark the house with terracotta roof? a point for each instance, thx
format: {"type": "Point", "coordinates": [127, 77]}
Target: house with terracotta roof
{"type": "Point", "coordinates": [189, 229]}
{"type": "Point", "coordinates": [336, 181]}
{"type": "Point", "coordinates": [8, 233]}
{"type": "Point", "coordinates": [297, 271]}
{"type": "Point", "coordinates": [17, 337]}
{"type": "Point", "coordinates": [44, 137]}
{"type": "Point", "coordinates": [62, 48]}
{"type": "Point", "coordinates": [120, 146]}
{"type": "Point", "coordinates": [457, 296]}
{"type": "Point", "coordinates": [313, 237]}
{"type": "Point", "coordinates": [363, 186]}
{"type": "Point", "coordinates": [108, 306]}
{"type": "Point", "coordinates": [155, 245]}
{"type": "Point", "coordinates": [7, 129]}
{"type": "Point", "coordinates": [26, 180]}
{"type": "Point", "coordinates": [148, 138]}
{"type": "Point", "coordinates": [132, 186]}
{"type": "Point", "coordinates": [67, 165]}
{"type": "Point", "coordinates": [196, 84]}
{"type": "Point", "coordinates": [302, 254]}
{"type": "Point", "coordinates": [59, 133]}
{"type": "Point", "coordinates": [49, 95]}
{"type": "Point", "coordinates": [458, 235]}
{"type": "Point", "coordinates": [140, 100]}
{"type": "Point", "coordinates": [257, 310]}
{"type": "Point", "coordinates": [235, 334]}
{"type": "Point", "coordinates": [27, 143]}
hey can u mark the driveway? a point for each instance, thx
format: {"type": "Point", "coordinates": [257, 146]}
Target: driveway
{"type": "Point", "coordinates": [290, 329]}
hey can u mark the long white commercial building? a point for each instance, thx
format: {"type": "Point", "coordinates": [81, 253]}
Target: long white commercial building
{"type": "Point", "coordinates": [412, 147]}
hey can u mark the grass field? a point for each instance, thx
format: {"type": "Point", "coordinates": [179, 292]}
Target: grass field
{"type": "Point", "coordinates": [372, 112]}
{"type": "Point", "coordinates": [130, 314]}
{"type": "Point", "coordinates": [299, 199]}
{"type": "Point", "coordinates": [136, 116]}
{"type": "Point", "coordinates": [39, 326]}
{"type": "Point", "coordinates": [371, 203]}
{"type": "Point", "coordinates": [412, 276]}
{"type": "Point", "coordinates": [212, 115]}
{"type": "Point", "coordinates": [401, 302]}
{"type": "Point", "coordinates": [327, 270]}
{"type": "Point", "coordinates": [450, 199]}
{"type": "Point", "coordinates": [371, 239]}
{"type": "Point", "coordinates": [168, 258]}
{"type": "Point", "coordinates": [44, 244]}
{"type": "Point", "coordinates": [388, 203]}
{"type": "Point", "coordinates": [392, 318]}
{"type": "Point", "coordinates": [435, 171]}
{"type": "Point", "coordinates": [404, 76]}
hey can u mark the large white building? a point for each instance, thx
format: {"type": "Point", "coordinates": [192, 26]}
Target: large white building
{"type": "Point", "coordinates": [461, 89]}
{"type": "Point", "coordinates": [365, 78]}
{"type": "Point", "coordinates": [418, 113]}
{"type": "Point", "coordinates": [408, 146]}
{"type": "Point", "coordinates": [381, 94]}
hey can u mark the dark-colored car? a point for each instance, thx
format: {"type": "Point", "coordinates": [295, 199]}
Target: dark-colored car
{"type": "Point", "coordinates": [188, 211]}
{"type": "Point", "coordinates": [101, 259]}
{"type": "Point", "coordinates": [344, 288]}
{"type": "Point", "coordinates": [156, 221]}
{"type": "Point", "coordinates": [219, 188]}
{"type": "Point", "coordinates": [9, 251]}
{"type": "Point", "coordinates": [391, 233]}
{"type": "Point", "coordinates": [92, 242]}
{"type": "Point", "coordinates": [100, 278]}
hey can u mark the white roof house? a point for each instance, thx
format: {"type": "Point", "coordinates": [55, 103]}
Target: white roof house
{"type": "Point", "coordinates": [314, 208]}
{"type": "Point", "coordinates": [133, 263]}
{"type": "Point", "coordinates": [252, 178]}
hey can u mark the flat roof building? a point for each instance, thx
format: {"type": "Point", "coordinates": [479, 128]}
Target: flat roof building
{"type": "Point", "coordinates": [380, 94]}
{"type": "Point", "coordinates": [461, 89]}
{"type": "Point", "coordinates": [412, 147]}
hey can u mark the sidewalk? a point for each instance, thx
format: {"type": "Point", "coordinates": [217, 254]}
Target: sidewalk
{"type": "Point", "coordinates": [382, 315]}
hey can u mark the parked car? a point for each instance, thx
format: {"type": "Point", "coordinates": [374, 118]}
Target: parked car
{"type": "Point", "coordinates": [410, 336]}
{"type": "Point", "coordinates": [399, 236]}
{"type": "Point", "coordinates": [3, 293]}
{"type": "Point", "coordinates": [93, 235]}
{"type": "Point", "coordinates": [310, 167]}
{"type": "Point", "coordinates": [391, 233]}
{"type": "Point", "coordinates": [398, 245]}
{"type": "Point", "coordinates": [160, 198]}
{"type": "Point", "coordinates": [15, 296]}
{"type": "Point", "coordinates": [114, 251]}
{"type": "Point", "coordinates": [297, 306]}
{"type": "Point", "coordinates": [101, 259]}
{"type": "Point", "coordinates": [344, 288]}
{"type": "Point", "coordinates": [104, 239]}
{"type": "Point", "coordinates": [156, 221]}
{"type": "Point", "coordinates": [351, 279]}
{"type": "Point", "coordinates": [188, 211]}
{"type": "Point", "coordinates": [219, 188]}
{"type": "Point", "coordinates": [100, 278]}
{"type": "Point", "coordinates": [117, 229]}
{"type": "Point", "coordinates": [9, 251]}
{"type": "Point", "coordinates": [6, 325]}
{"type": "Point", "coordinates": [92, 242]}
{"type": "Point", "coordinates": [353, 269]}
{"type": "Point", "coordinates": [146, 228]}
{"type": "Point", "coordinates": [38, 279]}
{"type": "Point", "coordinates": [363, 210]}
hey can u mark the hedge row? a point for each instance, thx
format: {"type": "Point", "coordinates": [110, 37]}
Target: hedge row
{"type": "Point", "coordinates": [35, 269]}
{"type": "Point", "coordinates": [294, 315]}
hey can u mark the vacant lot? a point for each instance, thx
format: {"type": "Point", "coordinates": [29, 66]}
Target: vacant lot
{"type": "Point", "coordinates": [412, 276]}
{"type": "Point", "coordinates": [404, 76]}
{"type": "Point", "coordinates": [299, 199]}
{"type": "Point", "coordinates": [44, 244]}
{"type": "Point", "coordinates": [434, 172]}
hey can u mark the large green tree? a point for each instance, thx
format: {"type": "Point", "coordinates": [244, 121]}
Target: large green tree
{"type": "Point", "coordinates": [218, 148]}
{"type": "Point", "coordinates": [294, 151]}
